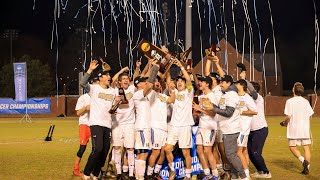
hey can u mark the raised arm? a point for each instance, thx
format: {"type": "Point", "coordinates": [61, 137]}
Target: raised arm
{"type": "Point", "coordinates": [207, 67]}
{"type": "Point", "coordinates": [84, 81]}
{"type": "Point", "coordinates": [137, 71]}
{"type": "Point", "coordinates": [115, 77]}
{"type": "Point", "coordinates": [184, 72]}
{"type": "Point", "coordinates": [151, 79]}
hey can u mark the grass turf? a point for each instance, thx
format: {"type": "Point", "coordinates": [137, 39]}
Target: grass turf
{"type": "Point", "coordinates": [25, 155]}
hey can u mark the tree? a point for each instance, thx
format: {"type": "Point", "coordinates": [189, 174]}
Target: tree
{"type": "Point", "coordinates": [39, 79]}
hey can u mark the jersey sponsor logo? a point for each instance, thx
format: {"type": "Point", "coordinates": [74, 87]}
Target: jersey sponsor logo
{"type": "Point", "coordinates": [180, 97]}
{"type": "Point", "coordinates": [129, 95]}
{"type": "Point", "coordinates": [162, 98]}
{"type": "Point", "coordinates": [108, 97]}
{"type": "Point", "coordinates": [222, 103]}
{"type": "Point", "coordinates": [242, 104]}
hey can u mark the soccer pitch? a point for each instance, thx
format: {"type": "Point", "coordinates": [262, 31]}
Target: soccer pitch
{"type": "Point", "coordinates": [25, 155]}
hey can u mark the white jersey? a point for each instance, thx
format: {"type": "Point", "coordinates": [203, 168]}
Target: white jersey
{"type": "Point", "coordinates": [182, 109]}
{"type": "Point", "coordinates": [101, 103]}
{"type": "Point", "coordinates": [206, 121]}
{"type": "Point", "coordinates": [246, 103]}
{"type": "Point", "coordinates": [299, 110]}
{"type": "Point", "coordinates": [259, 121]}
{"type": "Point", "coordinates": [125, 113]}
{"type": "Point", "coordinates": [143, 111]}
{"type": "Point", "coordinates": [230, 125]}
{"type": "Point", "coordinates": [83, 101]}
{"type": "Point", "coordinates": [217, 93]}
{"type": "Point", "coordinates": [159, 106]}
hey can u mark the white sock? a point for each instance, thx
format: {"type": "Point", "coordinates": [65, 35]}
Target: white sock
{"type": "Point", "coordinates": [247, 172]}
{"type": "Point", "coordinates": [171, 166]}
{"type": "Point", "coordinates": [219, 166]}
{"type": "Point", "coordinates": [206, 171]}
{"type": "Point", "coordinates": [301, 159]}
{"type": "Point", "coordinates": [137, 165]}
{"type": "Point", "coordinates": [131, 162]}
{"type": "Point", "coordinates": [157, 168]}
{"type": "Point", "coordinates": [215, 172]}
{"type": "Point", "coordinates": [117, 160]}
{"type": "Point", "coordinates": [150, 170]}
{"type": "Point", "coordinates": [125, 168]}
{"type": "Point", "coordinates": [141, 168]}
{"type": "Point", "coordinates": [188, 173]}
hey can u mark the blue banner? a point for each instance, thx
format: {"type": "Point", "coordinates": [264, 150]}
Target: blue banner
{"type": "Point", "coordinates": [35, 106]}
{"type": "Point", "coordinates": [20, 81]}
{"type": "Point", "coordinates": [179, 161]}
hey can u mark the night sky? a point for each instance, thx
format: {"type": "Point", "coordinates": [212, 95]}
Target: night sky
{"type": "Point", "coordinates": [294, 27]}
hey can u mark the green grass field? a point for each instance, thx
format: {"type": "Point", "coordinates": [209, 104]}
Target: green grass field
{"type": "Point", "coordinates": [25, 155]}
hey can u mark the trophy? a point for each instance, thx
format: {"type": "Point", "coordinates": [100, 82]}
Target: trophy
{"type": "Point", "coordinates": [164, 59]}
{"type": "Point", "coordinates": [118, 103]}
{"type": "Point", "coordinates": [105, 66]}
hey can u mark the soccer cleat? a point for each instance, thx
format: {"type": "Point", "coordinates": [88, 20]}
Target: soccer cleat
{"type": "Point", "coordinates": [125, 176]}
{"type": "Point", "coordinates": [84, 177]}
{"type": "Point", "coordinates": [261, 175]}
{"type": "Point", "coordinates": [215, 178]}
{"type": "Point", "coordinates": [148, 177]}
{"type": "Point", "coordinates": [186, 178]}
{"type": "Point", "coordinates": [156, 176]}
{"type": "Point", "coordinates": [172, 175]}
{"type": "Point", "coordinates": [305, 167]}
{"type": "Point", "coordinates": [207, 177]}
{"type": "Point", "coordinates": [119, 177]}
{"type": "Point", "coordinates": [132, 178]}
{"type": "Point", "coordinates": [76, 172]}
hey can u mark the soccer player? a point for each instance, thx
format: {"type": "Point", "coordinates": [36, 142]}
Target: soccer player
{"type": "Point", "coordinates": [141, 100]}
{"type": "Point", "coordinates": [123, 126]}
{"type": "Point", "coordinates": [181, 123]}
{"type": "Point", "coordinates": [298, 112]}
{"type": "Point", "coordinates": [229, 124]}
{"type": "Point", "coordinates": [218, 149]}
{"type": "Point", "coordinates": [102, 97]}
{"type": "Point", "coordinates": [82, 108]}
{"type": "Point", "coordinates": [257, 137]}
{"type": "Point", "coordinates": [247, 109]}
{"type": "Point", "coordinates": [159, 103]}
{"type": "Point", "coordinates": [207, 129]}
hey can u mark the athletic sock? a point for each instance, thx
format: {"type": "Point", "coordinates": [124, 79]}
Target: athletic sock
{"type": "Point", "coordinates": [188, 173]}
{"type": "Point", "coordinates": [125, 169]}
{"type": "Point", "coordinates": [215, 172]}
{"type": "Point", "coordinates": [301, 159]}
{"type": "Point", "coordinates": [150, 170]}
{"type": "Point", "coordinates": [157, 168]}
{"type": "Point", "coordinates": [131, 162]}
{"type": "Point", "coordinates": [117, 160]}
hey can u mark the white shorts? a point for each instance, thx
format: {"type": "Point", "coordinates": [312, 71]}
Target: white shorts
{"type": "Point", "coordinates": [299, 142]}
{"type": "Point", "coordinates": [123, 135]}
{"type": "Point", "coordinates": [205, 137]}
{"type": "Point", "coordinates": [219, 136]}
{"type": "Point", "coordinates": [183, 135]}
{"type": "Point", "coordinates": [142, 139]}
{"type": "Point", "coordinates": [158, 138]}
{"type": "Point", "coordinates": [242, 140]}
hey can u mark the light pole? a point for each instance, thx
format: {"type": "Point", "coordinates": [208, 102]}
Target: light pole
{"type": "Point", "coordinates": [11, 34]}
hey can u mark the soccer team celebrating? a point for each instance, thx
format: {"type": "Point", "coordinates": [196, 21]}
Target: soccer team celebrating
{"type": "Point", "coordinates": [159, 115]}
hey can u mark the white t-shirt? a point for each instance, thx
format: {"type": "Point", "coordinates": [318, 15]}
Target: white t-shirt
{"type": "Point", "coordinates": [182, 109]}
{"type": "Point", "coordinates": [83, 101]}
{"type": "Point", "coordinates": [159, 106]}
{"type": "Point", "coordinates": [299, 110]}
{"type": "Point", "coordinates": [143, 111]}
{"type": "Point", "coordinates": [246, 103]}
{"type": "Point", "coordinates": [101, 103]}
{"type": "Point", "coordinates": [125, 113]}
{"type": "Point", "coordinates": [206, 121]}
{"type": "Point", "coordinates": [259, 120]}
{"type": "Point", "coordinates": [230, 125]}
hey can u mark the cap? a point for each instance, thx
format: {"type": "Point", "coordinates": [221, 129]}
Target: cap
{"type": "Point", "coordinates": [207, 79]}
{"type": "Point", "coordinates": [139, 79]}
{"type": "Point", "coordinates": [241, 66]}
{"type": "Point", "coordinates": [215, 75]}
{"type": "Point", "coordinates": [242, 82]}
{"type": "Point", "coordinates": [180, 77]}
{"type": "Point", "coordinates": [227, 78]}
{"type": "Point", "coordinates": [102, 72]}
